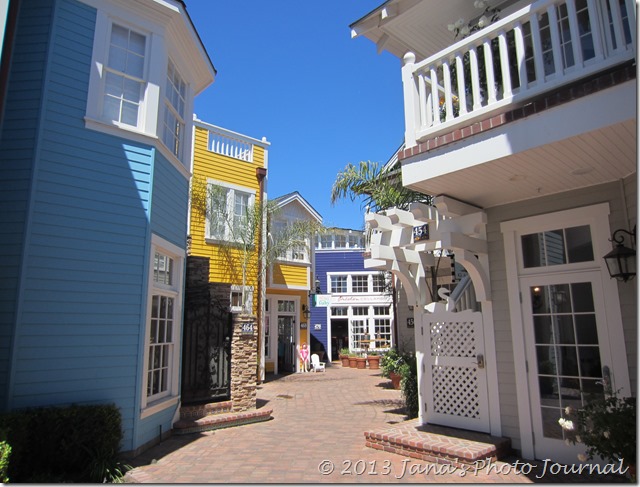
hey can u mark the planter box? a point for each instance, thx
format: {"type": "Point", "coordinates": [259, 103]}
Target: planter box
{"type": "Point", "coordinates": [352, 362]}
{"type": "Point", "coordinates": [345, 360]}
{"type": "Point", "coordinates": [395, 380]}
{"type": "Point", "coordinates": [361, 363]}
{"type": "Point", "coordinates": [374, 362]}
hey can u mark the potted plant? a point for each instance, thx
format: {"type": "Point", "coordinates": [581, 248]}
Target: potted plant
{"type": "Point", "coordinates": [344, 356]}
{"type": "Point", "coordinates": [390, 364]}
{"type": "Point", "coordinates": [352, 360]}
{"type": "Point", "coordinates": [374, 360]}
{"type": "Point", "coordinates": [361, 362]}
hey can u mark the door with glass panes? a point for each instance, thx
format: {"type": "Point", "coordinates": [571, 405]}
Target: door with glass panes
{"type": "Point", "coordinates": [570, 323]}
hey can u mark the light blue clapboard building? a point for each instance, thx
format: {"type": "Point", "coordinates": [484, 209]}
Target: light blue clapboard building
{"type": "Point", "coordinates": [95, 150]}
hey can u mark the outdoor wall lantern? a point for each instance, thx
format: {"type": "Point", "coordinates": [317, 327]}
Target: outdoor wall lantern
{"type": "Point", "coordinates": [306, 311]}
{"type": "Point", "coordinates": [312, 295]}
{"type": "Point", "coordinates": [621, 261]}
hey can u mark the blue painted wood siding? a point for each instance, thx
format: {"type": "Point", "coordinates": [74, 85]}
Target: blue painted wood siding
{"type": "Point", "coordinates": [16, 167]}
{"type": "Point", "coordinates": [331, 261]}
{"type": "Point", "coordinates": [84, 200]}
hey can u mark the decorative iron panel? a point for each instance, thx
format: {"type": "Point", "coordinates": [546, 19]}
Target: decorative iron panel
{"type": "Point", "coordinates": [206, 357]}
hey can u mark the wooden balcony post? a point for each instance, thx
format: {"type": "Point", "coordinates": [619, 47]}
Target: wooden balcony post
{"type": "Point", "coordinates": [411, 109]}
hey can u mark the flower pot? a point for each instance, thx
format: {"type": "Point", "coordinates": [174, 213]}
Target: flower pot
{"type": "Point", "coordinates": [361, 363]}
{"type": "Point", "coordinates": [395, 379]}
{"type": "Point", "coordinates": [352, 362]}
{"type": "Point", "coordinates": [374, 361]}
{"type": "Point", "coordinates": [345, 360]}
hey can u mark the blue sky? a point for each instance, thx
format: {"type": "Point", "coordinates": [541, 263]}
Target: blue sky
{"type": "Point", "coordinates": [289, 70]}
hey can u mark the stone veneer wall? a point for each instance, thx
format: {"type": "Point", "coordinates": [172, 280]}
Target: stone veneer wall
{"type": "Point", "coordinates": [244, 356]}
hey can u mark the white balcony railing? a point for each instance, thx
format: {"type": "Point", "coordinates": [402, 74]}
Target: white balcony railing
{"type": "Point", "coordinates": [231, 144]}
{"type": "Point", "coordinates": [539, 48]}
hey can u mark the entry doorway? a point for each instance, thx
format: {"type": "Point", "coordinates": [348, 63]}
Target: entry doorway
{"type": "Point", "coordinates": [339, 336]}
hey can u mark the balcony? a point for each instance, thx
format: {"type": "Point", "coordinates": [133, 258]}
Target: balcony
{"type": "Point", "coordinates": [535, 50]}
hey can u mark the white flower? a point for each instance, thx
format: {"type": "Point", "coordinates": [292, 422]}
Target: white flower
{"type": "Point", "coordinates": [480, 4]}
{"type": "Point", "coordinates": [568, 410]}
{"type": "Point", "coordinates": [459, 23]}
{"type": "Point", "coordinates": [606, 434]}
{"type": "Point", "coordinates": [465, 30]}
{"type": "Point", "coordinates": [566, 424]}
{"type": "Point", "coordinates": [567, 442]}
{"type": "Point", "coordinates": [451, 27]}
{"type": "Point", "coordinates": [483, 21]}
{"type": "Point", "coordinates": [582, 457]}
{"type": "Point", "coordinates": [578, 439]}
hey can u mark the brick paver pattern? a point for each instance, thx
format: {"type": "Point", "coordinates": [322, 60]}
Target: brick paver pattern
{"type": "Point", "coordinates": [316, 436]}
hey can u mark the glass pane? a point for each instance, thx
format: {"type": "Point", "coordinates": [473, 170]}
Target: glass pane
{"type": "Point", "coordinates": [560, 298]}
{"type": "Point", "coordinates": [117, 59]}
{"type": "Point", "coordinates": [591, 389]}
{"type": "Point", "coordinates": [569, 391]}
{"type": "Point", "coordinates": [554, 247]}
{"type": "Point", "coordinates": [550, 426]}
{"type": "Point", "coordinates": [153, 331]}
{"type": "Point", "coordinates": [567, 361]}
{"type": "Point", "coordinates": [129, 113]}
{"type": "Point", "coordinates": [590, 362]}
{"type": "Point", "coordinates": [539, 300]}
{"type": "Point", "coordinates": [136, 43]}
{"type": "Point", "coordinates": [135, 65]}
{"type": "Point", "coordinates": [586, 329]}
{"type": "Point", "coordinates": [579, 248]}
{"type": "Point", "coordinates": [154, 306]}
{"type": "Point", "coordinates": [549, 391]}
{"type": "Point", "coordinates": [563, 329]}
{"type": "Point", "coordinates": [582, 297]}
{"type": "Point", "coordinates": [543, 329]}
{"type": "Point", "coordinates": [131, 90]}
{"type": "Point", "coordinates": [547, 360]}
{"type": "Point", "coordinates": [119, 36]}
{"type": "Point", "coordinates": [161, 327]}
{"type": "Point", "coordinates": [532, 251]}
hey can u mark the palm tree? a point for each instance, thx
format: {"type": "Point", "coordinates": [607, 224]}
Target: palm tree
{"type": "Point", "coordinates": [379, 186]}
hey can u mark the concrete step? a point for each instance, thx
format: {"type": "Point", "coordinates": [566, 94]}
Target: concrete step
{"type": "Point", "coordinates": [439, 444]}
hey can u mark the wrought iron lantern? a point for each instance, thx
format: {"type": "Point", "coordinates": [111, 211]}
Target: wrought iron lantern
{"type": "Point", "coordinates": [306, 311]}
{"type": "Point", "coordinates": [312, 294]}
{"type": "Point", "coordinates": [621, 261]}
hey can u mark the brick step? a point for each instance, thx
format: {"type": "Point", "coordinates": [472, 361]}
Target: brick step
{"type": "Point", "coordinates": [202, 410]}
{"type": "Point", "coordinates": [439, 444]}
{"type": "Point", "coordinates": [221, 420]}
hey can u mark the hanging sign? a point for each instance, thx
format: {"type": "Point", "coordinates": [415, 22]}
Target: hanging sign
{"type": "Point", "coordinates": [323, 300]}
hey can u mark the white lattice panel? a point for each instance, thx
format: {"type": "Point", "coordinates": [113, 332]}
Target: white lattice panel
{"type": "Point", "coordinates": [453, 338]}
{"type": "Point", "coordinates": [455, 391]}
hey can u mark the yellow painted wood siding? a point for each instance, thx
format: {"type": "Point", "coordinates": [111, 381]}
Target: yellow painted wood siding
{"type": "Point", "coordinates": [290, 275]}
{"type": "Point", "coordinates": [225, 265]}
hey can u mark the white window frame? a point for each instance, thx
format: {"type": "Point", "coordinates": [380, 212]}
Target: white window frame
{"type": "Point", "coordinates": [152, 107]}
{"type": "Point", "coordinates": [170, 397]}
{"type": "Point", "coordinates": [231, 191]}
{"type": "Point", "coordinates": [236, 289]}
{"type": "Point", "coordinates": [170, 110]}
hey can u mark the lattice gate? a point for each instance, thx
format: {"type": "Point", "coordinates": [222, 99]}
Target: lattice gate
{"type": "Point", "coordinates": [454, 379]}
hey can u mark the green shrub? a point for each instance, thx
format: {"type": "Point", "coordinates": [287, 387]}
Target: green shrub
{"type": "Point", "coordinates": [64, 444]}
{"type": "Point", "coordinates": [409, 386]}
{"type": "Point", "coordinates": [391, 361]}
{"type": "Point", "coordinates": [5, 453]}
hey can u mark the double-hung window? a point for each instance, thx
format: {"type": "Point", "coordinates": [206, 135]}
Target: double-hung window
{"type": "Point", "coordinates": [124, 83]}
{"type": "Point", "coordinates": [163, 326]}
{"type": "Point", "coordinates": [230, 210]}
{"type": "Point", "coordinates": [174, 113]}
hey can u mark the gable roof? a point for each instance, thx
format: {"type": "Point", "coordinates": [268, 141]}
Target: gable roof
{"type": "Point", "coordinates": [285, 199]}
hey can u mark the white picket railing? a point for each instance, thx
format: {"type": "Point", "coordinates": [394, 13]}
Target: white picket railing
{"type": "Point", "coordinates": [231, 144]}
{"type": "Point", "coordinates": [541, 47]}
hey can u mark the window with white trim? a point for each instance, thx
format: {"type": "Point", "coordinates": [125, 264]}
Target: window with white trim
{"type": "Point", "coordinates": [125, 82]}
{"type": "Point", "coordinates": [163, 324]}
{"type": "Point", "coordinates": [338, 284]}
{"type": "Point", "coordinates": [174, 112]}
{"type": "Point", "coordinates": [359, 284]}
{"type": "Point", "coordinates": [230, 212]}
{"type": "Point", "coordinates": [241, 302]}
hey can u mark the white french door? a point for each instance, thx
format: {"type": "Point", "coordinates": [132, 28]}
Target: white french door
{"type": "Point", "coordinates": [568, 353]}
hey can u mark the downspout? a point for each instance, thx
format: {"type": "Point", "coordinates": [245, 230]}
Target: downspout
{"type": "Point", "coordinates": [261, 174]}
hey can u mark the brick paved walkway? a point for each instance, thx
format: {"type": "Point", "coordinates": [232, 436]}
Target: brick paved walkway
{"type": "Point", "coordinates": [318, 426]}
